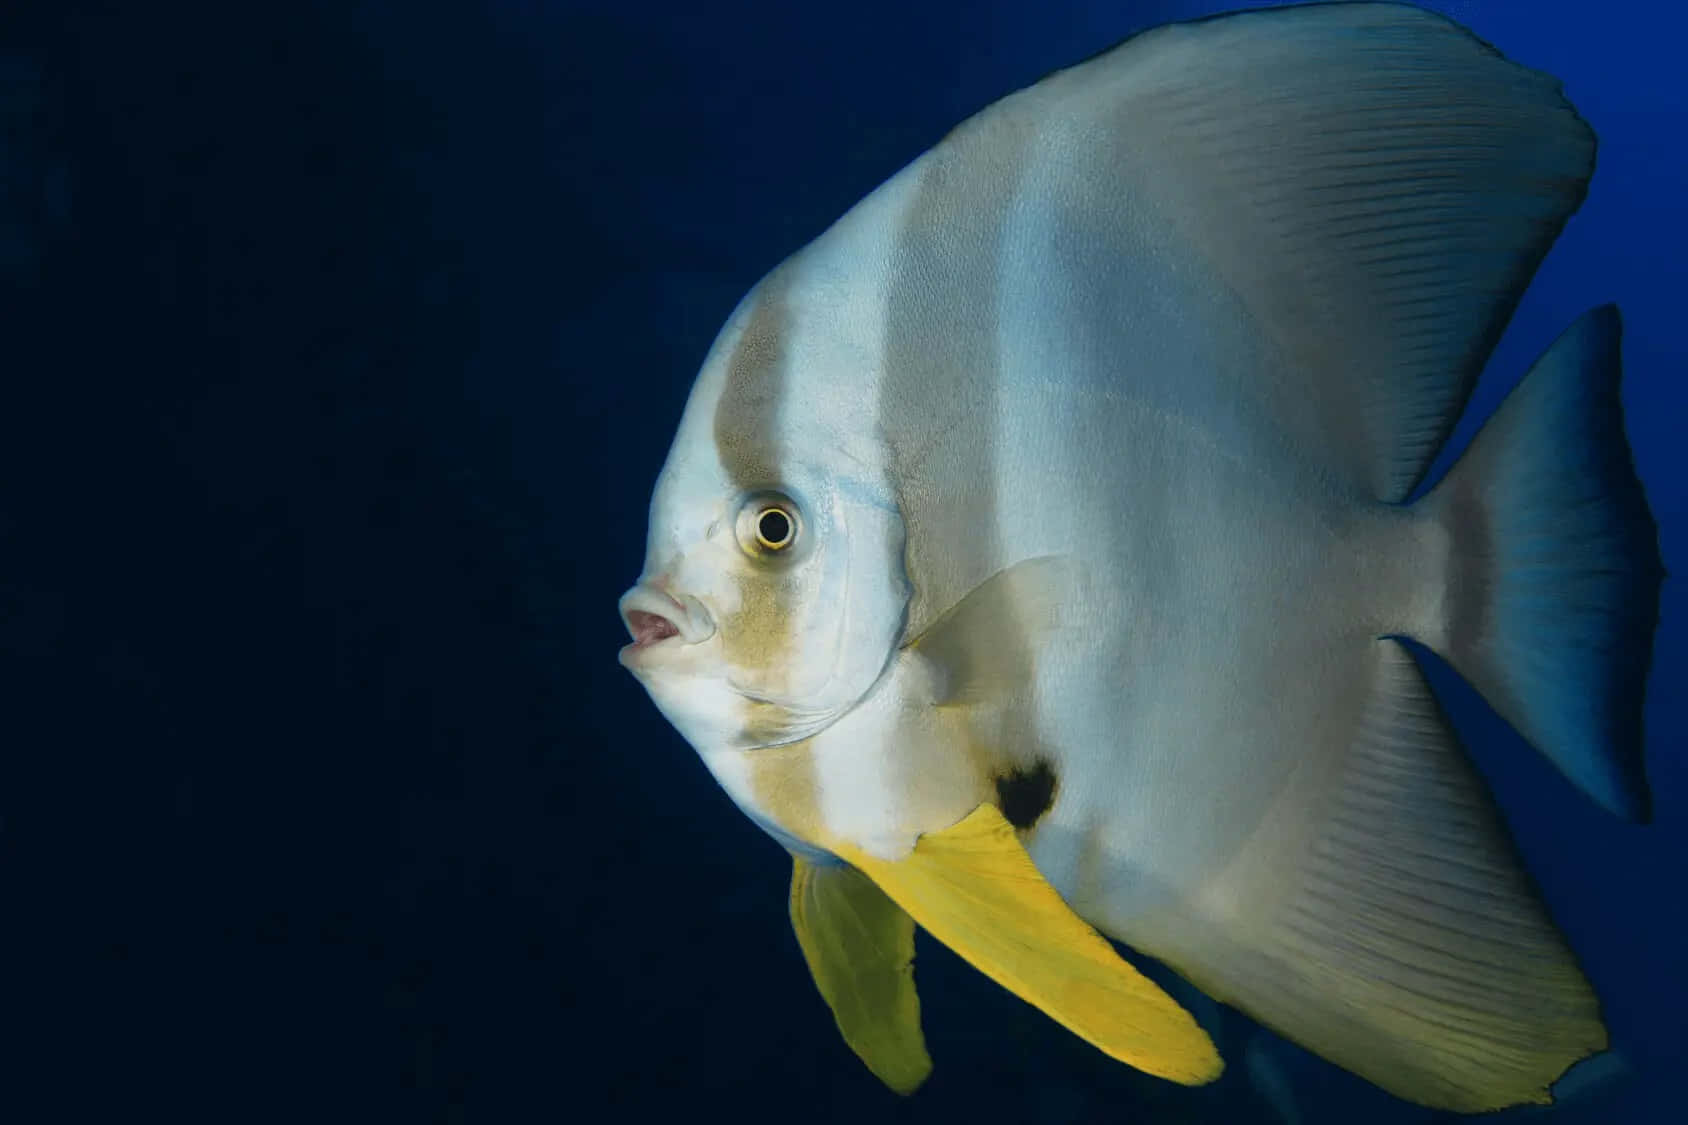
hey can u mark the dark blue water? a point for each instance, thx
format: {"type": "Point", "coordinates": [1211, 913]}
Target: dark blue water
{"type": "Point", "coordinates": [342, 343]}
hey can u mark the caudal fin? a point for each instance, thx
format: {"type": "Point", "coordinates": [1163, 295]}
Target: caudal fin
{"type": "Point", "coordinates": [1555, 571]}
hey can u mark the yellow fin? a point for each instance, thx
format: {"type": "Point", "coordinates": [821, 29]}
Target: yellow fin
{"type": "Point", "coordinates": [860, 948]}
{"type": "Point", "coordinates": [974, 888]}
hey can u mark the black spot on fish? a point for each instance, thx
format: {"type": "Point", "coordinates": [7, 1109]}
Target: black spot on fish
{"type": "Point", "coordinates": [1025, 795]}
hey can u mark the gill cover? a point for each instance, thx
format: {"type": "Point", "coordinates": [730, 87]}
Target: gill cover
{"type": "Point", "coordinates": [808, 622]}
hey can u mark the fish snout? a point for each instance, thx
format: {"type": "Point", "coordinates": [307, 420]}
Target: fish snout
{"type": "Point", "coordinates": [654, 617]}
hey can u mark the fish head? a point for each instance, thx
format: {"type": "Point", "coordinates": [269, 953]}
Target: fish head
{"type": "Point", "coordinates": [773, 594]}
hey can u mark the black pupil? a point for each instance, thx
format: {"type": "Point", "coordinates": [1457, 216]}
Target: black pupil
{"type": "Point", "coordinates": [774, 526]}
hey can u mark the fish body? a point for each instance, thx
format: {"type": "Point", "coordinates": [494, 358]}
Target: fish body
{"type": "Point", "coordinates": [1045, 522]}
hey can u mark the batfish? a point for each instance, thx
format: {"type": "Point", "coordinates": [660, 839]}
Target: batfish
{"type": "Point", "coordinates": [1039, 548]}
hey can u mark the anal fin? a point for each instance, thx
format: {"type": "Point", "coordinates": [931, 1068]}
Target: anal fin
{"type": "Point", "coordinates": [1398, 936]}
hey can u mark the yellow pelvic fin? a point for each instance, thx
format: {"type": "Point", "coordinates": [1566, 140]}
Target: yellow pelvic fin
{"type": "Point", "coordinates": [974, 888]}
{"type": "Point", "coordinates": [860, 948]}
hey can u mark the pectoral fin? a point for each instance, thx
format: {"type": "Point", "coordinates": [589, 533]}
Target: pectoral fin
{"type": "Point", "coordinates": [974, 888]}
{"type": "Point", "coordinates": [984, 646]}
{"type": "Point", "coordinates": [860, 948]}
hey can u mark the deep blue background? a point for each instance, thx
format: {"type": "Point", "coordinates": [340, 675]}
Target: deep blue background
{"type": "Point", "coordinates": [340, 344]}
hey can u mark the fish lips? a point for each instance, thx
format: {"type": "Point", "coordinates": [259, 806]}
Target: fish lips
{"type": "Point", "coordinates": [659, 622]}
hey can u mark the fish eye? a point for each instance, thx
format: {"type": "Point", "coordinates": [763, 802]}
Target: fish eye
{"type": "Point", "coordinates": [774, 529]}
{"type": "Point", "coordinates": [769, 524]}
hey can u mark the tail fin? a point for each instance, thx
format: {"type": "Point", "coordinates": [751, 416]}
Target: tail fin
{"type": "Point", "coordinates": [1554, 580]}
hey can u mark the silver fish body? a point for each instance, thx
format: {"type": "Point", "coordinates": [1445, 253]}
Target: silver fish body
{"type": "Point", "coordinates": [1095, 428]}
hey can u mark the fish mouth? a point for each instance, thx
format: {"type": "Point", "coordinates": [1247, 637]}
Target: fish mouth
{"type": "Point", "coordinates": [656, 621]}
{"type": "Point", "coordinates": [649, 628]}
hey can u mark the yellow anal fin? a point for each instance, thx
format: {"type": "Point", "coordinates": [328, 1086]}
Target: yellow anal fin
{"type": "Point", "coordinates": [860, 948]}
{"type": "Point", "coordinates": [974, 888]}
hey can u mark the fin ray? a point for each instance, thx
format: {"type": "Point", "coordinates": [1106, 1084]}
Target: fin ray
{"type": "Point", "coordinates": [1394, 931]}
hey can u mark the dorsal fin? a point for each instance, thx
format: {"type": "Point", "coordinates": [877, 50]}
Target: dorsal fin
{"type": "Point", "coordinates": [1370, 186]}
